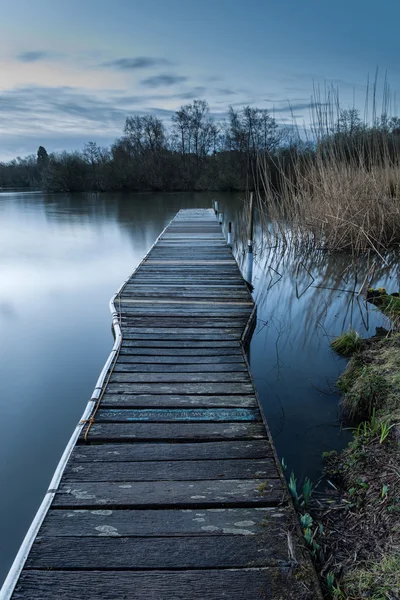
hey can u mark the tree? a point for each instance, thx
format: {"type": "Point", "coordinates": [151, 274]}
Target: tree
{"type": "Point", "coordinates": [42, 158]}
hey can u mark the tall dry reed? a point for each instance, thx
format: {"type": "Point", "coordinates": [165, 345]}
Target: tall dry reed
{"type": "Point", "coordinates": [341, 190]}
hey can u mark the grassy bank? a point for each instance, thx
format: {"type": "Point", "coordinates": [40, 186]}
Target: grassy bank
{"type": "Point", "coordinates": [359, 518]}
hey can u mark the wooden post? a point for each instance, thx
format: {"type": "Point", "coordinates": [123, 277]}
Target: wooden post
{"type": "Point", "coordinates": [216, 207]}
{"type": "Point", "coordinates": [221, 218]}
{"type": "Point", "coordinates": [249, 268]}
{"type": "Point", "coordinates": [230, 234]}
{"type": "Point", "coordinates": [251, 224]}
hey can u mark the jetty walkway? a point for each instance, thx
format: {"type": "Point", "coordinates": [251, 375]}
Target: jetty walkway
{"type": "Point", "coordinates": [170, 487]}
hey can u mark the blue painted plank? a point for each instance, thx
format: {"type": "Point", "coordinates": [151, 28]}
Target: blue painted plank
{"type": "Point", "coordinates": [172, 414]}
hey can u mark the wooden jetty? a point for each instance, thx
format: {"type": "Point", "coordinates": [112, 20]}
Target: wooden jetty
{"type": "Point", "coordinates": [170, 487]}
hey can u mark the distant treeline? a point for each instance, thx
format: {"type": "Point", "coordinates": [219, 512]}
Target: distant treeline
{"type": "Point", "coordinates": [195, 152]}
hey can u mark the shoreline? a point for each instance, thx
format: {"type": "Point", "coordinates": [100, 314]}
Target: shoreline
{"type": "Point", "coordinates": [355, 522]}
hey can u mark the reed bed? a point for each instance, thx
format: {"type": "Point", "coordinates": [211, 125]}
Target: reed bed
{"type": "Point", "coordinates": [340, 190]}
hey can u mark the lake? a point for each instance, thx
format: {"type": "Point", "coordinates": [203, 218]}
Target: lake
{"type": "Point", "coordinates": [61, 259]}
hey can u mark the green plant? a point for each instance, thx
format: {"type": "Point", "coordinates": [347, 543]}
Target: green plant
{"type": "Point", "coordinates": [347, 343]}
{"type": "Point", "coordinates": [330, 580]}
{"type": "Point", "coordinates": [306, 521]}
{"type": "Point", "coordinates": [385, 430]}
{"type": "Point", "coordinates": [293, 489]}
{"type": "Point", "coordinates": [384, 492]}
{"type": "Point", "coordinates": [307, 490]}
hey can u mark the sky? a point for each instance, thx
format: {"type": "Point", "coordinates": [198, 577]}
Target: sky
{"type": "Point", "coordinates": [71, 72]}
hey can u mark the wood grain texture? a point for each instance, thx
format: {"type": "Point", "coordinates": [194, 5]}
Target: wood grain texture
{"type": "Point", "coordinates": [179, 470]}
{"type": "Point", "coordinates": [208, 552]}
{"type": "Point", "coordinates": [158, 494]}
{"type": "Point", "coordinates": [166, 523]}
{"type": "Point", "coordinates": [267, 583]}
{"type": "Point", "coordinates": [174, 415]}
{"type": "Point", "coordinates": [154, 377]}
{"type": "Point", "coordinates": [93, 453]}
{"type": "Point", "coordinates": [202, 388]}
{"type": "Point", "coordinates": [170, 401]}
{"type": "Point", "coordinates": [175, 431]}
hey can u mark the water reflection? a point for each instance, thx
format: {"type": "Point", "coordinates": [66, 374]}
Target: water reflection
{"type": "Point", "coordinates": [61, 259]}
{"type": "Point", "coordinates": [303, 301]}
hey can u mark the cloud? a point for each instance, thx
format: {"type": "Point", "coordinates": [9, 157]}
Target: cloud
{"type": "Point", "coordinates": [225, 92]}
{"type": "Point", "coordinates": [65, 117]}
{"type": "Point", "coordinates": [37, 55]}
{"type": "Point", "coordinates": [164, 80]}
{"type": "Point", "coordinates": [215, 78]}
{"type": "Point", "coordinates": [300, 106]}
{"type": "Point", "coordinates": [139, 62]}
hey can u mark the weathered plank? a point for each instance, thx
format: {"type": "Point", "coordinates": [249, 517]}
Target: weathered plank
{"type": "Point", "coordinates": [146, 343]}
{"type": "Point", "coordinates": [156, 523]}
{"type": "Point", "coordinates": [170, 401]}
{"type": "Point", "coordinates": [170, 471]}
{"type": "Point", "coordinates": [124, 367]}
{"type": "Point", "coordinates": [154, 377]}
{"type": "Point", "coordinates": [182, 336]}
{"type": "Point", "coordinates": [159, 553]}
{"type": "Point", "coordinates": [182, 361]}
{"type": "Point", "coordinates": [267, 583]}
{"type": "Point", "coordinates": [212, 389]}
{"type": "Point", "coordinates": [172, 322]}
{"type": "Point", "coordinates": [156, 494]}
{"type": "Point", "coordinates": [134, 349]}
{"type": "Point", "coordinates": [175, 431]}
{"type": "Point", "coordinates": [249, 449]}
{"type": "Point", "coordinates": [173, 415]}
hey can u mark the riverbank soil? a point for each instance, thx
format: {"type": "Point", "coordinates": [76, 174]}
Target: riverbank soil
{"type": "Point", "coordinates": [359, 518]}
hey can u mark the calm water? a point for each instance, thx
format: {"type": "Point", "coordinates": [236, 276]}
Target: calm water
{"type": "Point", "coordinates": [61, 259]}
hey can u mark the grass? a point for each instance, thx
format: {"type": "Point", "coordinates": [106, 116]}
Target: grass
{"type": "Point", "coordinates": [359, 532]}
{"type": "Point", "coordinates": [347, 343]}
{"type": "Point", "coordinates": [376, 580]}
{"type": "Point", "coordinates": [388, 304]}
{"type": "Point", "coordinates": [371, 382]}
{"type": "Point", "coordinates": [364, 390]}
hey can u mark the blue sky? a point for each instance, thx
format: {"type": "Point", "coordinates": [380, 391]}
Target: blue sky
{"type": "Point", "coordinates": [72, 72]}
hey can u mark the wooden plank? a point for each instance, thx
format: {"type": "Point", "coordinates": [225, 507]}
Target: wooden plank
{"type": "Point", "coordinates": [122, 367]}
{"type": "Point", "coordinates": [157, 494]}
{"type": "Point", "coordinates": [267, 583]}
{"type": "Point", "coordinates": [132, 348]}
{"type": "Point", "coordinates": [228, 359]}
{"type": "Point", "coordinates": [178, 367]}
{"type": "Point", "coordinates": [158, 311]}
{"type": "Point", "coordinates": [182, 401]}
{"type": "Point", "coordinates": [213, 389]}
{"type": "Point", "coordinates": [159, 553]}
{"type": "Point", "coordinates": [132, 321]}
{"type": "Point", "coordinates": [169, 470]}
{"type": "Point", "coordinates": [182, 335]}
{"type": "Point", "coordinates": [156, 523]}
{"type": "Point", "coordinates": [180, 344]}
{"type": "Point", "coordinates": [205, 287]}
{"type": "Point", "coordinates": [169, 432]}
{"type": "Point", "coordinates": [248, 449]}
{"type": "Point", "coordinates": [151, 377]}
{"type": "Point", "coordinates": [172, 415]}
